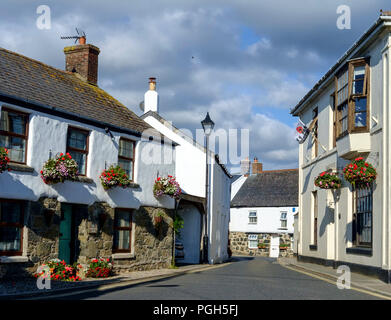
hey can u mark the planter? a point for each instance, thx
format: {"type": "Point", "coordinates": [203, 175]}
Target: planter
{"type": "Point", "coordinates": [167, 186]}
{"type": "Point", "coordinates": [114, 176]}
{"type": "Point", "coordinates": [4, 160]}
{"type": "Point", "coordinates": [60, 169]}
{"type": "Point", "coordinates": [359, 172]}
{"type": "Point", "coordinates": [328, 180]}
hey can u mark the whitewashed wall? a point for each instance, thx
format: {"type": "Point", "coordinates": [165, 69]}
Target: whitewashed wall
{"type": "Point", "coordinates": [48, 132]}
{"type": "Point", "coordinates": [268, 220]}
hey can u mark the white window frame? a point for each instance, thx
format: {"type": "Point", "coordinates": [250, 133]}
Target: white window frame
{"type": "Point", "coordinates": [251, 216]}
{"type": "Point", "coordinates": [284, 218]}
{"type": "Point", "coordinates": [251, 238]}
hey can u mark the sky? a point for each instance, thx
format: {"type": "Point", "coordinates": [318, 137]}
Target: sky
{"type": "Point", "coordinates": [246, 62]}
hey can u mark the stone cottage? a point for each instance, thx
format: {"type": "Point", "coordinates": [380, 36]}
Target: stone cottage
{"type": "Point", "coordinates": [46, 111]}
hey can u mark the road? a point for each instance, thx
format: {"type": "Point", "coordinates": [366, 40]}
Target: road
{"type": "Point", "coordinates": [243, 279]}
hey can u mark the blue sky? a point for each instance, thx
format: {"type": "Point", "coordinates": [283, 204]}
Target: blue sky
{"type": "Point", "coordinates": [253, 60]}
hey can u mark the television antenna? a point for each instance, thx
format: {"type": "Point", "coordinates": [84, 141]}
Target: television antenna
{"type": "Point", "coordinates": [80, 35]}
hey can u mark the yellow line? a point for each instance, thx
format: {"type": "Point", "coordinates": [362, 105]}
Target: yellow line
{"type": "Point", "coordinates": [333, 282]}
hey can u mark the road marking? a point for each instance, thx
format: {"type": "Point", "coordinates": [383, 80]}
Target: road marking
{"type": "Point", "coordinates": [333, 283]}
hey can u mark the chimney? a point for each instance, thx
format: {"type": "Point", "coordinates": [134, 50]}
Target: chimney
{"type": "Point", "coordinates": [151, 97]}
{"type": "Point", "coordinates": [257, 166]}
{"type": "Point", "coordinates": [83, 60]}
{"type": "Point", "coordinates": [245, 167]}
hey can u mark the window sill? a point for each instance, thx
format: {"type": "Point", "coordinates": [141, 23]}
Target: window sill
{"type": "Point", "coordinates": [360, 251]}
{"type": "Point", "coordinates": [13, 259]}
{"type": "Point", "coordinates": [313, 247]}
{"type": "Point", "coordinates": [119, 256]}
{"type": "Point", "coordinates": [20, 167]}
{"type": "Point", "coordinates": [134, 185]}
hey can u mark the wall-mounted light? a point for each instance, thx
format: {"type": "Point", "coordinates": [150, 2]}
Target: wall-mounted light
{"type": "Point", "coordinates": [109, 132]}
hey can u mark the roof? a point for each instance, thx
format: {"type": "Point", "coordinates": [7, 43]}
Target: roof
{"type": "Point", "coordinates": [277, 188]}
{"type": "Point", "coordinates": [295, 110]}
{"type": "Point", "coordinates": [37, 83]}
{"type": "Point", "coordinates": [170, 126]}
{"type": "Point", "coordinates": [235, 177]}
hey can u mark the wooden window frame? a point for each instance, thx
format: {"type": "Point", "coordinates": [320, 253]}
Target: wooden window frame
{"type": "Point", "coordinates": [126, 158]}
{"type": "Point", "coordinates": [315, 216]}
{"type": "Point", "coordinates": [351, 128]}
{"type": "Point", "coordinates": [115, 228]}
{"type": "Point", "coordinates": [11, 134]}
{"type": "Point", "coordinates": [19, 225]}
{"type": "Point", "coordinates": [356, 239]}
{"type": "Point", "coordinates": [315, 113]}
{"type": "Point", "coordinates": [68, 148]}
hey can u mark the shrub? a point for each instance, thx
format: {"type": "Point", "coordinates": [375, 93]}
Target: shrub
{"type": "Point", "coordinates": [168, 186]}
{"type": "Point", "coordinates": [4, 160]}
{"type": "Point", "coordinates": [328, 180]}
{"type": "Point", "coordinates": [113, 177]}
{"type": "Point", "coordinates": [60, 169]}
{"type": "Point", "coordinates": [59, 270]}
{"type": "Point", "coordinates": [100, 268]}
{"type": "Point", "coordinates": [359, 172]}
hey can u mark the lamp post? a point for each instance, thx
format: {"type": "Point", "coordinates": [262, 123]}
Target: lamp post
{"type": "Point", "coordinates": [207, 125]}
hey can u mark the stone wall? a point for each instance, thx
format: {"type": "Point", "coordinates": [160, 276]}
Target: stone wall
{"type": "Point", "coordinates": [239, 244]}
{"type": "Point", "coordinates": [93, 235]}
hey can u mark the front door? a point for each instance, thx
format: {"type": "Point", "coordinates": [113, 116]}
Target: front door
{"type": "Point", "coordinates": [64, 251]}
{"type": "Point", "coordinates": [274, 246]}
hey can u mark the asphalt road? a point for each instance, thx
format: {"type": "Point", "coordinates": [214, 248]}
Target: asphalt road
{"type": "Point", "coordinates": [244, 279]}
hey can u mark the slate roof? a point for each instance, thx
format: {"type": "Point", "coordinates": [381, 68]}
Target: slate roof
{"type": "Point", "coordinates": [278, 188]}
{"type": "Point", "coordinates": [38, 83]}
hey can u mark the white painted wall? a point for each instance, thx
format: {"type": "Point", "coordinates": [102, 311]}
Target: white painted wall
{"type": "Point", "coordinates": [48, 132]}
{"type": "Point", "coordinates": [268, 220]}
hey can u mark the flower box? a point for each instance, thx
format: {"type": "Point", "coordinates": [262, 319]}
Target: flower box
{"type": "Point", "coordinates": [328, 180]}
{"type": "Point", "coordinates": [359, 172]}
{"type": "Point", "coordinates": [167, 186]}
{"type": "Point", "coordinates": [100, 268]}
{"type": "Point", "coordinates": [62, 168]}
{"type": "Point", "coordinates": [114, 176]}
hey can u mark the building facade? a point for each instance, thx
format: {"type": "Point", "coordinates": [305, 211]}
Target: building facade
{"type": "Point", "coordinates": [348, 114]}
{"type": "Point", "coordinates": [45, 112]}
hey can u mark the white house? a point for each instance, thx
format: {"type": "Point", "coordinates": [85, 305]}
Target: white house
{"type": "Point", "coordinates": [190, 173]}
{"type": "Point", "coordinates": [348, 112]}
{"type": "Point", "coordinates": [46, 111]}
{"type": "Point", "coordinates": [262, 210]}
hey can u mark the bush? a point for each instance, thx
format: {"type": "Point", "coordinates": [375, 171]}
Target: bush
{"type": "Point", "coordinates": [328, 180]}
{"type": "Point", "coordinates": [4, 160]}
{"type": "Point", "coordinates": [100, 268]}
{"type": "Point", "coordinates": [59, 270]}
{"type": "Point", "coordinates": [113, 177]}
{"type": "Point", "coordinates": [60, 169]}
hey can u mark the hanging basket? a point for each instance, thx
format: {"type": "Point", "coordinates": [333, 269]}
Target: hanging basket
{"type": "Point", "coordinates": [4, 160]}
{"type": "Point", "coordinates": [328, 180]}
{"type": "Point", "coordinates": [359, 172]}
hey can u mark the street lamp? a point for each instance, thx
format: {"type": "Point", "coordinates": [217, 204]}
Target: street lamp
{"type": "Point", "coordinates": [207, 125]}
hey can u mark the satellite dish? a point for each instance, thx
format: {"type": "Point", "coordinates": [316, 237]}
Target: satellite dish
{"type": "Point", "coordinates": [141, 105]}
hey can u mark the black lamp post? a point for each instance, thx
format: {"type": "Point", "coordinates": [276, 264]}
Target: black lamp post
{"type": "Point", "coordinates": [207, 125]}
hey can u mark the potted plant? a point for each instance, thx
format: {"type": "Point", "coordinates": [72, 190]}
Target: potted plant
{"type": "Point", "coordinates": [4, 160]}
{"type": "Point", "coordinates": [59, 270]}
{"type": "Point", "coordinates": [359, 172]}
{"type": "Point", "coordinates": [62, 168]}
{"type": "Point", "coordinates": [167, 186]}
{"type": "Point", "coordinates": [159, 218]}
{"type": "Point", "coordinates": [114, 176]}
{"type": "Point", "coordinates": [100, 268]}
{"type": "Point", "coordinates": [328, 180]}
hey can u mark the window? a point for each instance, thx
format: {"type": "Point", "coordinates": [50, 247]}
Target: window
{"type": "Point", "coordinates": [315, 216]}
{"type": "Point", "coordinates": [332, 103]}
{"type": "Point", "coordinates": [283, 220]}
{"type": "Point", "coordinates": [351, 98]}
{"type": "Point", "coordinates": [122, 230]}
{"type": "Point", "coordinates": [362, 217]}
{"type": "Point", "coordinates": [11, 227]}
{"type": "Point", "coordinates": [77, 146]}
{"type": "Point", "coordinates": [126, 156]}
{"type": "Point", "coordinates": [315, 131]}
{"type": "Point", "coordinates": [252, 218]}
{"type": "Point", "coordinates": [13, 134]}
{"type": "Point", "coordinates": [252, 241]}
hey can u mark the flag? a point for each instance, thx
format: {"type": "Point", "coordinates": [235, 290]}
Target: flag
{"type": "Point", "coordinates": [301, 132]}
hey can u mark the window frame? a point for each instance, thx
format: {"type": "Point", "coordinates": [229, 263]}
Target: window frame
{"type": "Point", "coordinates": [284, 220]}
{"type": "Point", "coordinates": [115, 228]}
{"type": "Point", "coordinates": [251, 237]}
{"type": "Point", "coordinates": [68, 148]}
{"type": "Point", "coordinates": [11, 134]}
{"type": "Point", "coordinates": [19, 225]}
{"type": "Point", "coordinates": [256, 217]}
{"type": "Point", "coordinates": [125, 158]}
{"type": "Point", "coordinates": [350, 101]}
{"type": "Point", "coordinates": [315, 113]}
{"type": "Point", "coordinates": [315, 209]}
{"type": "Point", "coordinates": [356, 238]}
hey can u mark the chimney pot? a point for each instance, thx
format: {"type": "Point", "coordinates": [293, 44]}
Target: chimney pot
{"type": "Point", "coordinates": [151, 97]}
{"type": "Point", "coordinates": [257, 167]}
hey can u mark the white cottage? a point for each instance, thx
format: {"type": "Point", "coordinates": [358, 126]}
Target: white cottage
{"type": "Point", "coordinates": [348, 113]}
{"type": "Point", "coordinates": [190, 173]}
{"type": "Point", "coordinates": [46, 111]}
{"type": "Point", "coordinates": [262, 210]}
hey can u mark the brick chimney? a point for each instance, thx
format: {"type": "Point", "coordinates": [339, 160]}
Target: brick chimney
{"type": "Point", "coordinates": [83, 60]}
{"type": "Point", "coordinates": [257, 166]}
{"type": "Point", "coordinates": [245, 167]}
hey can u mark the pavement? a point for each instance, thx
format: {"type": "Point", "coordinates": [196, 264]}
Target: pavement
{"type": "Point", "coordinates": [27, 288]}
{"type": "Point", "coordinates": [359, 282]}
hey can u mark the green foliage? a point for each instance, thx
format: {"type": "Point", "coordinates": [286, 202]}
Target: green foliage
{"type": "Point", "coordinates": [178, 224]}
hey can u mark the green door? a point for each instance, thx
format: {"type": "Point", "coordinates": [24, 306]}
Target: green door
{"type": "Point", "coordinates": [64, 252]}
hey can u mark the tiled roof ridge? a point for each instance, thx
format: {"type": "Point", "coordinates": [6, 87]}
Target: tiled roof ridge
{"type": "Point", "coordinates": [279, 170]}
